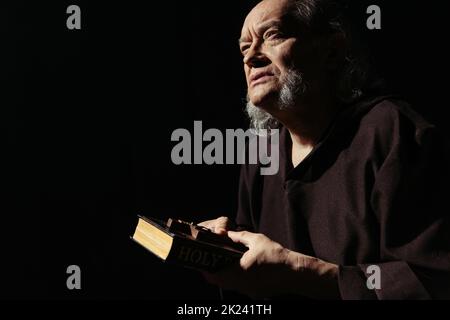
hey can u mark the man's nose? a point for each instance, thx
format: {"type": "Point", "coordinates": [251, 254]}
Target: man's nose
{"type": "Point", "coordinates": [255, 58]}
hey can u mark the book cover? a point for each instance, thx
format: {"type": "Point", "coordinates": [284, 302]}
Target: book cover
{"type": "Point", "coordinates": [188, 245]}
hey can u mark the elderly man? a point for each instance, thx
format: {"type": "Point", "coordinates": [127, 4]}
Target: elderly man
{"type": "Point", "coordinates": [361, 176]}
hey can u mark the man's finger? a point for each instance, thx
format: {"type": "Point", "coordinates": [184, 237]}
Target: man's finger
{"type": "Point", "coordinates": [207, 224]}
{"type": "Point", "coordinates": [219, 225]}
{"type": "Point", "coordinates": [243, 237]}
{"type": "Point", "coordinates": [247, 260]}
{"type": "Point", "coordinates": [222, 225]}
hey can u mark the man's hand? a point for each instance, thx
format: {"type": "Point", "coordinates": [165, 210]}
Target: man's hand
{"type": "Point", "coordinates": [268, 269]}
{"type": "Point", "coordinates": [220, 225]}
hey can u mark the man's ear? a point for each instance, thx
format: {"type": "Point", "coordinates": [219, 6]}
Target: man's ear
{"type": "Point", "coordinates": [336, 50]}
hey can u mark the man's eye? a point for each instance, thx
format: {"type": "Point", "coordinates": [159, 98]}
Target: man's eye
{"type": "Point", "coordinates": [244, 50]}
{"type": "Point", "coordinates": [272, 35]}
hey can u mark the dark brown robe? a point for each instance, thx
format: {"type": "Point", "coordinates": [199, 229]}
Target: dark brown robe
{"type": "Point", "coordinates": [372, 192]}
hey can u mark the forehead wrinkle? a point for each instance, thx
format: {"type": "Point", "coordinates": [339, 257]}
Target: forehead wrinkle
{"type": "Point", "coordinates": [263, 26]}
{"type": "Point", "coordinates": [261, 21]}
{"type": "Point", "coordinates": [263, 14]}
{"type": "Point", "coordinates": [255, 17]}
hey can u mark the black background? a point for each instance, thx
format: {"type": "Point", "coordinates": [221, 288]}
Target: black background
{"type": "Point", "coordinates": [86, 118]}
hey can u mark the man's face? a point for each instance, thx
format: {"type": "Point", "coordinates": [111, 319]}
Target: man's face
{"type": "Point", "coordinates": [270, 43]}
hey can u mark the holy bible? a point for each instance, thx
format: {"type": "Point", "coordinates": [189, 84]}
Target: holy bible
{"type": "Point", "coordinates": [187, 244]}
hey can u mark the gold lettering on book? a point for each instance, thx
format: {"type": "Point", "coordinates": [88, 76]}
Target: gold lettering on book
{"type": "Point", "coordinates": [184, 253]}
{"type": "Point", "coordinates": [199, 257]}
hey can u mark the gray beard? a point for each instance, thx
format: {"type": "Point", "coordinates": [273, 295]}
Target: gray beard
{"type": "Point", "coordinates": [293, 88]}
